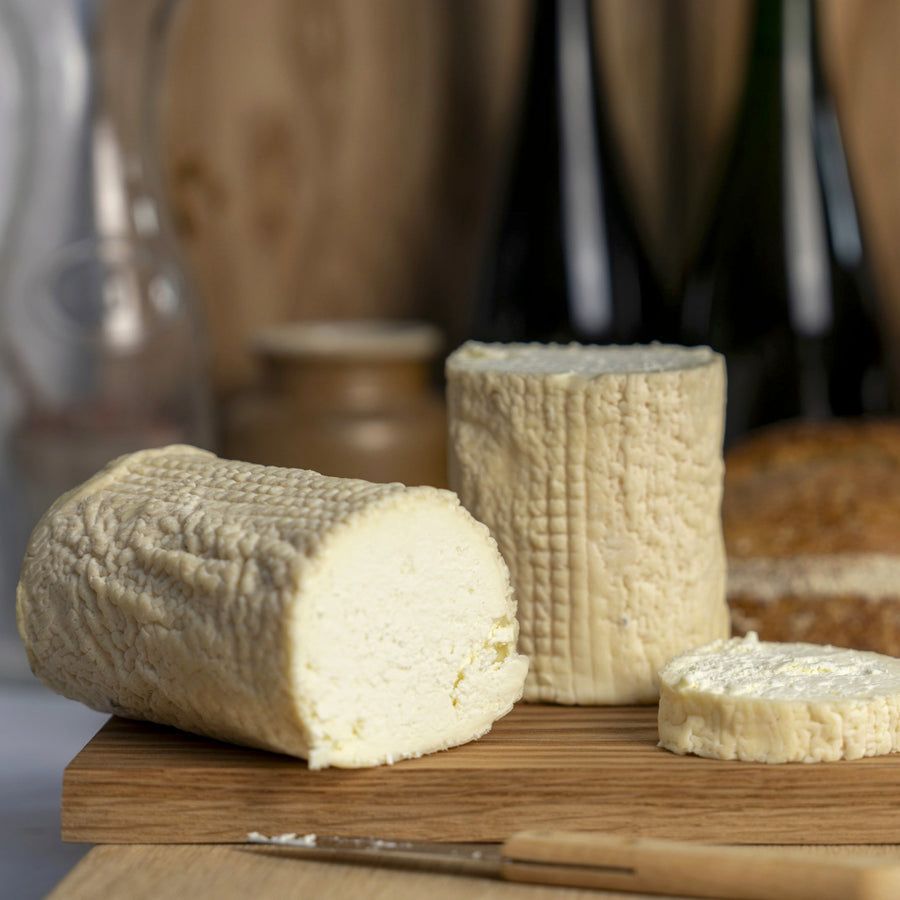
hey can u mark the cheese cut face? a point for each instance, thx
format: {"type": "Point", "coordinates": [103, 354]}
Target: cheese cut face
{"type": "Point", "coordinates": [771, 702]}
{"type": "Point", "coordinates": [599, 471]}
{"type": "Point", "coordinates": [345, 622]}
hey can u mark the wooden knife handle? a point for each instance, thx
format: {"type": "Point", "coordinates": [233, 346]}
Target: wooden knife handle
{"type": "Point", "coordinates": [653, 866]}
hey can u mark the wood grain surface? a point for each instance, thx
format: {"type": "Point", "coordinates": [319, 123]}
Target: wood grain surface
{"type": "Point", "coordinates": [335, 158]}
{"type": "Point", "coordinates": [160, 872]}
{"type": "Point", "coordinates": [564, 768]}
{"type": "Point", "coordinates": [344, 159]}
{"type": "Point", "coordinates": [225, 872]}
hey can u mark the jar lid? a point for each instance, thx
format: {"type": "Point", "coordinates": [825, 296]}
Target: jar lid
{"type": "Point", "coordinates": [357, 338]}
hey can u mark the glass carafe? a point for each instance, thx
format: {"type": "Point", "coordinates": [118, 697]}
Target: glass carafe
{"type": "Point", "coordinates": [102, 347]}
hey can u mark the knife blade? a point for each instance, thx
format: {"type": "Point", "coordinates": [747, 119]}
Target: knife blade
{"type": "Point", "coordinates": [614, 862]}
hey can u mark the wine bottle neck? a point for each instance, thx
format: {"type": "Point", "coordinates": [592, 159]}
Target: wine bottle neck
{"type": "Point", "coordinates": [806, 239]}
{"type": "Point", "coordinates": [584, 228]}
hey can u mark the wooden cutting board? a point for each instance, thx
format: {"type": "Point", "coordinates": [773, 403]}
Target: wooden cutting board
{"type": "Point", "coordinates": [581, 768]}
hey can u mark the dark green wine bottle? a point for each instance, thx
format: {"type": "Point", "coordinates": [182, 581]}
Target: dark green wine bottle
{"type": "Point", "coordinates": [782, 287]}
{"type": "Point", "coordinates": [564, 262]}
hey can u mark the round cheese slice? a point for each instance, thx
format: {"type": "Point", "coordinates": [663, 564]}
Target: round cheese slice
{"type": "Point", "coordinates": [774, 702]}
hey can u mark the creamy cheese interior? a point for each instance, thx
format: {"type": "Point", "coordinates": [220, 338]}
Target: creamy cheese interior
{"type": "Point", "coordinates": [749, 668]}
{"type": "Point", "coordinates": [406, 638]}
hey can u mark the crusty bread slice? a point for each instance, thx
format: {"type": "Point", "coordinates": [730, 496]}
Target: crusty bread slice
{"type": "Point", "coordinates": [811, 516]}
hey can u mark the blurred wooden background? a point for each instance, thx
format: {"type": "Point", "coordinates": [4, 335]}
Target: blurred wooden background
{"type": "Point", "coordinates": [340, 158]}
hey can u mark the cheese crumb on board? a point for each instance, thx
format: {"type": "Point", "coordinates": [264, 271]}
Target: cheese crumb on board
{"type": "Point", "coordinates": [345, 622]}
{"type": "Point", "coordinates": [772, 702]}
{"type": "Point", "coordinates": [291, 839]}
{"type": "Point", "coordinates": [599, 471]}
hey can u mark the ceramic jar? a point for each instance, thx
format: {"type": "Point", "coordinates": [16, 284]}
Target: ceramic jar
{"type": "Point", "coordinates": [352, 398]}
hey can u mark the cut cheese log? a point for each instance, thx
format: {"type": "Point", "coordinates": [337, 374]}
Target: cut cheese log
{"type": "Point", "coordinates": [764, 701]}
{"type": "Point", "coordinates": [349, 623]}
{"type": "Point", "coordinates": [599, 471]}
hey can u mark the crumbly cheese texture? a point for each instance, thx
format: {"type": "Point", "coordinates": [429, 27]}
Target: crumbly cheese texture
{"type": "Point", "coordinates": [771, 702]}
{"type": "Point", "coordinates": [599, 471]}
{"type": "Point", "coordinates": [345, 622]}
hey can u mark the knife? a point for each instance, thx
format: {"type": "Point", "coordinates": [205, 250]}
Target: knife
{"type": "Point", "coordinates": [614, 862]}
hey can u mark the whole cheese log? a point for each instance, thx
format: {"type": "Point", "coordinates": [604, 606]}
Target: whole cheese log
{"type": "Point", "coordinates": [599, 471]}
{"type": "Point", "coordinates": [333, 619]}
{"type": "Point", "coordinates": [764, 701]}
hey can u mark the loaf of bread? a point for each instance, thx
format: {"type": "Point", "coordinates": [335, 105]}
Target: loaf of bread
{"type": "Point", "coordinates": [773, 702]}
{"type": "Point", "coordinates": [599, 471]}
{"type": "Point", "coordinates": [349, 623]}
{"type": "Point", "coordinates": [811, 515]}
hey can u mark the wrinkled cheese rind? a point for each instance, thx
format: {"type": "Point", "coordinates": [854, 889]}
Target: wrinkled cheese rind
{"type": "Point", "coordinates": [346, 622]}
{"type": "Point", "coordinates": [599, 471]}
{"type": "Point", "coordinates": [771, 702]}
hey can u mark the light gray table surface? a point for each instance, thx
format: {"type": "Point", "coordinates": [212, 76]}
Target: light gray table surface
{"type": "Point", "coordinates": [40, 732]}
